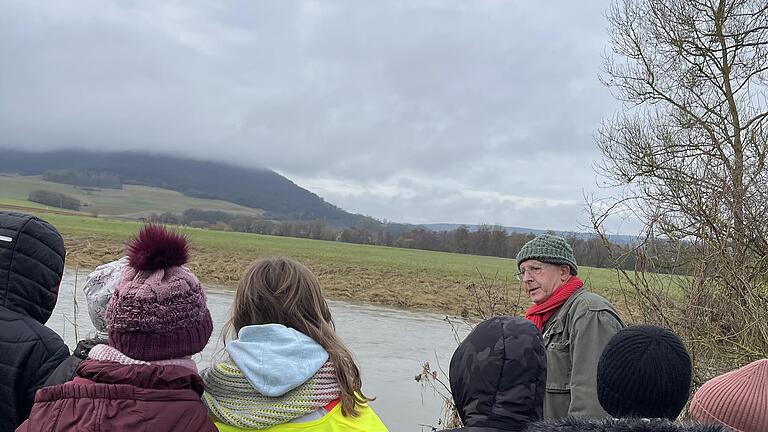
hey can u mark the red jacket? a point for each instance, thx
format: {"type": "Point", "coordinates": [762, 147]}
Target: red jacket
{"type": "Point", "coordinates": [108, 396]}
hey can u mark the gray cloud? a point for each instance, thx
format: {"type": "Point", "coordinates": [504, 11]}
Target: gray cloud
{"type": "Point", "coordinates": [419, 111]}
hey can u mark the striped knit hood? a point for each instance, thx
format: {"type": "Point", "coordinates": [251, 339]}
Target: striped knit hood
{"type": "Point", "coordinates": [274, 375]}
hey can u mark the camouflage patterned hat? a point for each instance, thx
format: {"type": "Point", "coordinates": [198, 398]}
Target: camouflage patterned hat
{"type": "Point", "coordinates": [498, 375]}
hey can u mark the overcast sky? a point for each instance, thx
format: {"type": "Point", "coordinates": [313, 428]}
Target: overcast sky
{"type": "Point", "coordinates": [415, 111]}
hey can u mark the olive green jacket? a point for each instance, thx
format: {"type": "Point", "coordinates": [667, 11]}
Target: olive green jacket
{"type": "Point", "coordinates": [575, 337]}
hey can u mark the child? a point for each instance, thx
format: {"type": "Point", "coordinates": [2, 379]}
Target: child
{"type": "Point", "coordinates": [287, 370]}
{"type": "Point", "coordinates": [737, 400]}
{"type": "Point", "coordinates": [144, 379]}
{"type": "Point", "coordinates": [31, 265]}
{"type": "Point", "coordinates": [98, 290]}
{"type": "Point", "coordinates": [498, 376]}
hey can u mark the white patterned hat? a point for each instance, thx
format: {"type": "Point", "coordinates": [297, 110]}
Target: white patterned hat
{"type": "Point", "coordinates": [98, 290]}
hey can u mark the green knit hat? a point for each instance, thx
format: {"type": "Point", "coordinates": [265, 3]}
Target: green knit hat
{"type": "Point", "coordinates": [550, 249]}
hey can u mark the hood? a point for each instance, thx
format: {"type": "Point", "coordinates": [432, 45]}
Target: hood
{"type": "Point", "coordinates": [619, 425]}
{"type": "Point", "coordinates": [498, 375]}
{"type": "Point", "coordinates": [31, 264]}
{"type": "Point", "coordinates": [276, 359]}
{"type": "Point", "coordinates": [154, 377]}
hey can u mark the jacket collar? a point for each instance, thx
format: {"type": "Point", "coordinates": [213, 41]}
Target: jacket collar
{"type": "Point", "coordinates": [563, 310]}
{"type": "Point", "coordinates": [155, 377]}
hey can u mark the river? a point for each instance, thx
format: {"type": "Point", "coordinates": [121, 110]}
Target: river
{"type": "Point", "coordinates": [390, 346]}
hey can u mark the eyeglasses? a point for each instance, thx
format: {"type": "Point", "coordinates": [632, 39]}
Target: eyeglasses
{"type": "Point", "coordinates": [533, 270]}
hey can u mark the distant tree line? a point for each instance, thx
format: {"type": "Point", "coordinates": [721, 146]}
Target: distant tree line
{"type": "Point", "coordinates": [84, 177]}
{"type": "Point", "coordinates": [224, 221]}
{"type": "Point", "coordinates": [485, 240]}
{"type": "Point", "coordinates": [54, 199]}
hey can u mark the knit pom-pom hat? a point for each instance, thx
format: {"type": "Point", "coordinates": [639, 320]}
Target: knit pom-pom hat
{"type": "Point", "coordinates": [158, 310]}
{"type": "Point", "coordinates": [644, 371]}
{"type": "Point", "coordinates": [550, 249]}
{"type": "Point", "coordinates": [737, 399]}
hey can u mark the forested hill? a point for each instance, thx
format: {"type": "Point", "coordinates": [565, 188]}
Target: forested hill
{"type": "Point", "coordinates": [257, 188]}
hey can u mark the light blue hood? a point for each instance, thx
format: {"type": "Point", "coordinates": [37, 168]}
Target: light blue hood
{"type": "Point", "coordinates": [276, 359]}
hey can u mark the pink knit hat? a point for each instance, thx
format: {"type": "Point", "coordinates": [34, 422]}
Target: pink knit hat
{"type": "Point", "coordinates": [737, 399]}
{"type": "Point", "coordinates": [158, 309]}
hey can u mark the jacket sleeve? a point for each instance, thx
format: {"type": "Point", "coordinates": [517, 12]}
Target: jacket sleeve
{"type": "Point", "coordinates": [49, 359]}
{"type": "Point", "coordinates": [590, 333]}
{"type": "Point", "coordinates": [65, 372]}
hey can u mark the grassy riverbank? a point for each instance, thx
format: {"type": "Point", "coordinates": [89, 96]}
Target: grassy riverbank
{"type": "Point", "coordinates": [408, 278]}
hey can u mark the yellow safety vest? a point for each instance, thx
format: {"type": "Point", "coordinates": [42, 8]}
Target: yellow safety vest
{"type": "Point", "coordinates": [333, 421]}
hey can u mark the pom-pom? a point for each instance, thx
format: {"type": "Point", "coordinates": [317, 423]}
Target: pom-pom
{"type": "Point", "coordinates": [156, 247]}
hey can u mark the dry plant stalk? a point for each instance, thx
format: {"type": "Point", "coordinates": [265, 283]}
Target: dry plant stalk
{"type": "Point", "coordinates": [437, 381]}
{"type": "Point", "coordinates": [75, 306]}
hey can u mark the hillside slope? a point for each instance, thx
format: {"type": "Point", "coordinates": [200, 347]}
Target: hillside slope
{"type": "Point", "coordinates": [264, 189]}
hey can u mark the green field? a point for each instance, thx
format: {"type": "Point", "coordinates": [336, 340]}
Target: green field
{"type": "Point", "coordinates": [130, 202]}
{"type": "Point", "coordinates": [391, 276]}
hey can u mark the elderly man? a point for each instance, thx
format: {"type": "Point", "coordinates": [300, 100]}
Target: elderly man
{"type": "Point", "coordinates": [576, 325]}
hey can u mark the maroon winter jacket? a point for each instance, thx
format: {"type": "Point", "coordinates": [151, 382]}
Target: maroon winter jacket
{"type": "Point", "coordinates": [108, 396]}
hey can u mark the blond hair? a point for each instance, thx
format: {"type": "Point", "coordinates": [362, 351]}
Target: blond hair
{"type": "Point", "coordinates": [283, 291]}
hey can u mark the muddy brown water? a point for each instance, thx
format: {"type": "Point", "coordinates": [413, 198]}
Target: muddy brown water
{"type": "Point", "coordinates": [389, 344]}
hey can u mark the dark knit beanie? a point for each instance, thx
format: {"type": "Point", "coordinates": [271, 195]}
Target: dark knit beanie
{"type": "Point", "coordinates": [158, 310]}
{"type": "Point", "coordinates": [737, 399]}
{"type": "Point", "coordinates": [550, 249]}
{"type": "Point", "coordinates": [644, 371]}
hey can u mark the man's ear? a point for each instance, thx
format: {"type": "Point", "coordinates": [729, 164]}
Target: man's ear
{"type": "Point", "coordinates": [565, 272]}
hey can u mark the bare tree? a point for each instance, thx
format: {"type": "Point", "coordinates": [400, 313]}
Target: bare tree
{"type": "Point", "coordinates": [689, 154]}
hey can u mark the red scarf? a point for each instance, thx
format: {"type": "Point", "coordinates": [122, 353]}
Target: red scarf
{"type": "Point", "coordinates": [540, 313]}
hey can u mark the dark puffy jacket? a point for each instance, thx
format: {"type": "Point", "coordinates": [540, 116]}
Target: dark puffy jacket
{"type": "Point", "coordinates": [108, 396]}
{"type": "Point", "coordinates": [619, 425]}
{"type": "Point", "coordinates": [67, 369]}
{"type": "Point", "coordinates": [31, 265]}
{"type": "Point", "coordinates": [498, 375]}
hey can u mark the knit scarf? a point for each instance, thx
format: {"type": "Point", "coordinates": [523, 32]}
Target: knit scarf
{"type": "Point", "coordinates": [231, 398]}
{"type": "Point", "coordinates": [540, 313]}
{"type": "Point", "coordinates": [107, 353]}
